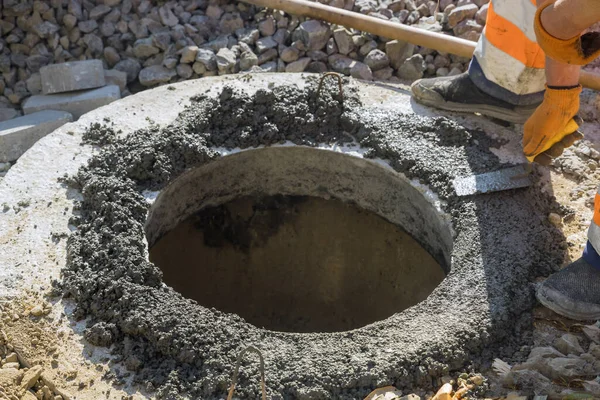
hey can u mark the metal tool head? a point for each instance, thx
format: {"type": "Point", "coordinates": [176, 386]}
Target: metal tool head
{"type": "Point", "coordinates": [505, 179]}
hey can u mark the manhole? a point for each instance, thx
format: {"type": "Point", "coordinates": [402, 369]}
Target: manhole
{"type": "Point", "coordinates": [175, 140]}
{"type": "Point", "coordinates": [298, 262]}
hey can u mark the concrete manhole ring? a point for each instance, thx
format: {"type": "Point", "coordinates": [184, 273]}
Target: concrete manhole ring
{"type": "Point", "coordinates": [490, 246]}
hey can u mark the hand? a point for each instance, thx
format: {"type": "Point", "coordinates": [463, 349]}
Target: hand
{"type": "Point", "coordinates": [553, 126]}
{"type": "Point", "coordinates": [578, 50]}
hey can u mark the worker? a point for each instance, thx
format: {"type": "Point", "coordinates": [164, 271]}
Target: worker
{"type": "Point", "coordinates": [526, 68]}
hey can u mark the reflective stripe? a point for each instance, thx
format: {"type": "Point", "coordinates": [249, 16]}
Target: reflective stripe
{"type": "Point", "coordinates": [520, 13]}
{"type": "Point", "coordinates": [594, 236]}
{"type": "Point", "coordinates": [506, 71]}
{"type": "Point", "coordinates": [506, 36]}
{"type": "Point", "coordinates": [596, 217]}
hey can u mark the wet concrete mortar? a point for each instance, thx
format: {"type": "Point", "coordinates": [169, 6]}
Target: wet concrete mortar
{"type": "Point", "coordinates": [481, 310]}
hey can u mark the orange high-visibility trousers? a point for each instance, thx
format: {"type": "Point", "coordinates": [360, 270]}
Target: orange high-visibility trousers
{"type": "Point", "coordinates": [508, 63]}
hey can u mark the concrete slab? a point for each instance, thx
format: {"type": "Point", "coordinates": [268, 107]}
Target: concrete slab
{"type": "Point", "coordinates": [76, 103]}
{"type": "Point", "coordinates": [71, 76]}
{"type": "Point", "coordinates": [19, 134]}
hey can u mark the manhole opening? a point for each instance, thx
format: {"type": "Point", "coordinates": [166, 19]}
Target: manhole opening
{"type": "Point", "coordinates": [298, 239]}
{"type": "Point", "coordinates": [296, 263]}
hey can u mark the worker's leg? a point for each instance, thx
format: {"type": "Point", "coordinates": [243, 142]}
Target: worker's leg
{"type": "Point", "coordinates": [506, 76]}
{"type": "Point", "coordinates": [575, 290]}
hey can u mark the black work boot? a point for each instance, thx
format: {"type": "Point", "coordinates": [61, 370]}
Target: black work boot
{"type": "Point", "coordinates": [573, 292]}
{"type": "Point", "coordinates": [459, 93]}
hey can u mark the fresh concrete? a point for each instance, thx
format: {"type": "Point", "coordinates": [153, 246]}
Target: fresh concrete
{"type": "Point", "coordinates": [71, 76]}
{"type": "Point", "coordinates": [76, 103]}
{"type": "Point", "coordinates": [19, 134]}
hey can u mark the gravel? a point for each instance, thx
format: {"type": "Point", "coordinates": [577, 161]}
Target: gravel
{"type": "Point", "coordinates": [132, 36]}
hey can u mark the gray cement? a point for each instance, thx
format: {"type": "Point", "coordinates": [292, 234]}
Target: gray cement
{"type": "Point", "coordinates": [481, 310]}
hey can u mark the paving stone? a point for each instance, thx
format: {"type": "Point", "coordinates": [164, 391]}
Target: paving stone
{"type": "Point", "coordinates": [70, 76]}
{"type": "Point", "coordinates": [77, 103]}
{"type": "Point", "coordinates": [19, 134]}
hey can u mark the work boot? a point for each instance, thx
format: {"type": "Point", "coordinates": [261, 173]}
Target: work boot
{"type": "Point", "coordinates": [573, 292]}
{"type": "Point", "coordinates": [459, 93]}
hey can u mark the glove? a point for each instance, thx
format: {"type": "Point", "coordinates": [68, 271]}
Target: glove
{"type": "Point", "coordinates": [553, 126]}
{"type": "Point", "coordinates": [579, 50]}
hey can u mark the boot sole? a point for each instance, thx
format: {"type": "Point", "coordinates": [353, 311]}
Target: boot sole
{"type": "Point", "coordinates": [557, 308]}
{"type": "Point", "coordinates": [433, 99]}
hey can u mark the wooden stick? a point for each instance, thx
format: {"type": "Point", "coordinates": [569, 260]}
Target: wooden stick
{"type": "Point", "coordinates": [390, 30]}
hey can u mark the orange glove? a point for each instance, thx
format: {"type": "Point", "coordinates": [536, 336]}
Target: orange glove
{"type": "Point", "coordinates": [553, 126]}
{"type": "Point", "coordinates": [579, 50]}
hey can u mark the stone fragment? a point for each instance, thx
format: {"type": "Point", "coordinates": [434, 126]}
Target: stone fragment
{"type": "Point", "coordinates": [410, 397]}
{"type": "Point", "coordinates": [111, 56]}
{"type": "Point", "coordinates": [31, 377]}
{"type": "Point", "coordinates": [360, 70]}
{"type": "Point", "coordinates": [131, 67]}
{"type": "Point", "coordinates": [45, 29]}
{"type": "Point", "coordinates": [188, 54]}
{"type": "Point", "coordinates": [481, 15]}
{"type": "Point", "coordinates": [467, 25]}
{"type": "Point", "coordinates": [156, 74]}
{"type": "Point", "coordinates": [289, 54]}
{"type": "Point", "coordinates": [199, 68]}
{"type": "Point", "coordinates": [7, 113]}
{"type": "Point", "coordinates": [314, 34]}
{"type": "Point", "coordinates": [76, 103]}
{"type": "Point", "coordinates": [94, 44]}
{"type": "Point", "coordinates": [167, 17]}
{"type": "Point", "coordinates": [184, 71]}
{"type": "Point", "coordinates": [343, 40]}
{"type": "Point", "coordinates": [139, 29]}
{"type": "Point", "coordinates": [247, 60]}
{"type": "Point", "coordinates": [267, 56]}
{"type": "Point", "coordinates": [299, 65]}
{"type": "Point", "coordinates": [267, 26]}
{"type": "Point", "coordinates": [87, 26]}
{"type": "Point", "coordinates": [454, 71]}
{"type": "Point", "coordinates": [269, 67]}
{"type": "Point", "coordinates": [99, 11]}
{"type": "Point", "coordinates": [377, 59]}
{"type": "Point", "coordinates": [230, 22]}
{"type": "Point", "coordinates": [527, 380]}
{"type": "Point", "coordinates": [69, 21]}
{"type": "Point", "coordinates": [316, 67]}
{"type": "Point", "coordinates": [567, 343]}
{"type": "Point", "coordinates": [19, 134]}
{"type": "Point", "coordinates": [398, 51]}
{"type": "Point", "coordinates": [340, 63]}
{"type": "Point", "coordinates": [461, 13]}
{"type": "Point", "coordinates": [207, 58]}
{"type": "Point", "coordinates": [214, 12]}
{"type": "Point", "coordinates": [248, 36]}
{"type": "Point", "coordinates": [226, 60]}
{"type": "Point", "coordinates": [367, 48]}
{"type": "Point", "coordinates": [265, 44]}
{"type": "Point", "coordinates": [412, 68]}
{"type": "Point", "coordinates": [70, 76]}
{"type": "Point", "coordinates": [383, 74]}
{"type": "Point", "coordinates": [13, 365]}
{"type": "Point", "coordinates": [116, 77]}
{"type": "Point", "coordinates": [10, 377]}
{"type": "Point", "coordinates": [144, 48]}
